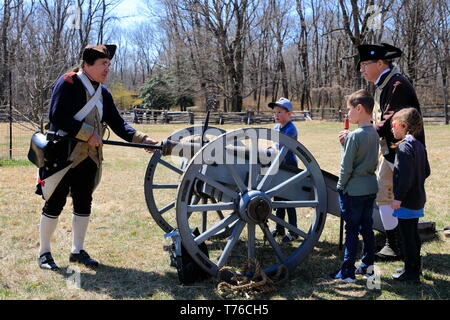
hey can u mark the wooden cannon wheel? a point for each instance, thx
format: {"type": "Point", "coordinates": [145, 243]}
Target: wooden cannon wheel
{"type": "Point", "coordinates": [248, 183]}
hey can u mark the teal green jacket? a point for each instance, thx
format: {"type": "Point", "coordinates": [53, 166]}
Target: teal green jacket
{"type": "Point", "coordinates": [359, 162]}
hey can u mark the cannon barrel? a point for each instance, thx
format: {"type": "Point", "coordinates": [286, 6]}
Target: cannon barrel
{"type": "Point", "coordinates": [180, 149]}
{"type": "Point", "coordinates": [132, 145]}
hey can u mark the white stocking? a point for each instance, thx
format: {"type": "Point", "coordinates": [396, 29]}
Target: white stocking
{"type": "Point", "coordinates": [79, 228]}
{"type": "Point", "coordinates": [47, 227]}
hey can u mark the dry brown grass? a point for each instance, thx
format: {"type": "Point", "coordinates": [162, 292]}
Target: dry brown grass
{"type": "Point", "coordinates": [128, 243]}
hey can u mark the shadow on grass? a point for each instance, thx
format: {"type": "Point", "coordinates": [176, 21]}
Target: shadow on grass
{"type": "Point", "coordinates": [127, 283]}
{"type": "Point", "coordinates": [433, 285]}
{"type": "Point", "coordinates": [310, 280]}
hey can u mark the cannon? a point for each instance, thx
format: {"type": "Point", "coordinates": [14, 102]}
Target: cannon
{"type": "Point", "coordinates": [220, 200]}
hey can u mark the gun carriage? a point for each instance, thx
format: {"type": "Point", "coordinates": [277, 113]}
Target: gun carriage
{"type": "Point", "coordinates": [221, 201]}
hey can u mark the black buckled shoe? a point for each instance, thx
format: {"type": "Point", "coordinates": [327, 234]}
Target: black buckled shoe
{"type": "Point", "coordinates": [83, 258]}
{"type": "Point", "coordinates": [46, 262]}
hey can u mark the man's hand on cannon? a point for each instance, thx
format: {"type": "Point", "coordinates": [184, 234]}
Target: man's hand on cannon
{"type": "Point", "coordinates": [148, 140]}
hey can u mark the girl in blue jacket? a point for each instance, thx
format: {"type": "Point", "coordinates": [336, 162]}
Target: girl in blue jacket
{"type": "Point", "coordinates": [411, 168]}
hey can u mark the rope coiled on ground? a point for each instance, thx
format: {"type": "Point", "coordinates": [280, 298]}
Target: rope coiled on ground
{"type": "Point", "coordinates": [245, 287]}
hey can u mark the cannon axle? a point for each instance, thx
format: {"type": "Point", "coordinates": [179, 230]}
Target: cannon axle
{"type": "Point", "coordinates": [255, 207]}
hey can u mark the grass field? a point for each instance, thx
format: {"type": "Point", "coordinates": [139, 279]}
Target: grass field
{"type": "Point", "coordinates": [128, 243]}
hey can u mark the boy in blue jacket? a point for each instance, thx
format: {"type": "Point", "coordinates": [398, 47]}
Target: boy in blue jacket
{"type": "Point", "coordinates": [282, 110]}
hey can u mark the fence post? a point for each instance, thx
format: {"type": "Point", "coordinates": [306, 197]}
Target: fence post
{"type": "Point", "coordinates": [250, 114]}
{"type": "Point", "coordinates": [166, 117]}
{"type": "Point", "coordinates": [191, 117]}
{"type": "Point", "coordinates": [446, 113]}
{"type": "Point", "coordinates": [10, 118]}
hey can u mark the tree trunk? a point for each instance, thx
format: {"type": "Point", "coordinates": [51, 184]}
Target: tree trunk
{"type": "Point", "coordinates": [303, 57]}
{"type": "Point", "coordinates": [4, 54]}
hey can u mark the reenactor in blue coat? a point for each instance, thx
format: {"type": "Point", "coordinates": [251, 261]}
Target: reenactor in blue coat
{"type": "Point", "coordinates": [80, 108]}
{"type": "Point", "coordinates": [393, 92]}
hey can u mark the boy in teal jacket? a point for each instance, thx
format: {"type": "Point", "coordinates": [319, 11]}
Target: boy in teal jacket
{"type": "Point", "coordinates": [358, 186]}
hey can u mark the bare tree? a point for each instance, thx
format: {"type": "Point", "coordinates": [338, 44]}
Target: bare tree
{"type": "Point", "coordinates": [356, 31]}
{"type": "Point", "coordinates": [413, 19]}
{"type": "Point", "coordinates": [228, 22]}
{"type": "Point", "coordinates": [438, 31]}
{"type": "Point", "coordinates": [227, 50]}
{"type": "Point", "coordinates": [302, 45]}
{"type": "Point", "coordinates": [280, 29]}
{"type": "Point", "coordinates": [5, 51]}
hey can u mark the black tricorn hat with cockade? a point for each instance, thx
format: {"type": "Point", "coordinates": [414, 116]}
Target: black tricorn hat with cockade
{"type": "Point", "coordinates": [384, 51]}
{"type": "Point", "coordinates": [100, 51]}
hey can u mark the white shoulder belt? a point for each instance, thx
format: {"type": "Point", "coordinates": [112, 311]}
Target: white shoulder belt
{"type": "Point", "coordinates": [94, 101]}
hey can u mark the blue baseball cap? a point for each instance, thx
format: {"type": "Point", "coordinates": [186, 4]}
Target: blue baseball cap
{"type": "Point", "coordinates": [283, 103]}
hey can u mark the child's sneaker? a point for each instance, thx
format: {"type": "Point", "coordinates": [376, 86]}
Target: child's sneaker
{"type": "Point", "coordinates": [289, 237]}
{"type": "Point", "coordinates": [349, 280]}
{"type": "Point", "coordinates": [338, 276]}
{"type": "Point", "coordinates": [362, 271]}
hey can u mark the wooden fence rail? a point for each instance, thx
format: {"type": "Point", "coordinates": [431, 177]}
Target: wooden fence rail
{"type": "Point", "coordinates": [16, 127]}
{"type": "Point", "coordinates": [431, 114]}
{"type": "Point", "coordinates": [191, 117]}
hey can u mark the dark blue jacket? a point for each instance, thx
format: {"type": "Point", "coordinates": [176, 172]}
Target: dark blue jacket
{"type": "Point", "coordinates": [411, 168]}
{"type": "Point", "coordinates": [396, 95]}
{"type": "Point", "coordinates": [290, 130]}
{"type": "Point", "coordinates": [69, 97]}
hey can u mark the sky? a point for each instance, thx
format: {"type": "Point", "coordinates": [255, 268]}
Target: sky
{"type": "Point", "coordinates": [130, 10]}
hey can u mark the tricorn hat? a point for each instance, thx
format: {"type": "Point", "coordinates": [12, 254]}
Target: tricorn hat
{"type": "Point", "coordinates": [374, 52]}
{"type": "Point", "coordinates": [100, 51]}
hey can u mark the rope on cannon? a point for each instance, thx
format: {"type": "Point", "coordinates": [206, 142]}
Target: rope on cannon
{"type": "Point", "coordinates": [247, 287]}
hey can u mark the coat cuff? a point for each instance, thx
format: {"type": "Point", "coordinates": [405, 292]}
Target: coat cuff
{"type": "Point", "coordinates": [85, 132]}
{"type": "Point", "coordinates": [138, 137]}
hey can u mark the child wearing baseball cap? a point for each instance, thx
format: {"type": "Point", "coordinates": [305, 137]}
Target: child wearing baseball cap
{"type": "Point", "coordinates": [282, 112]}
